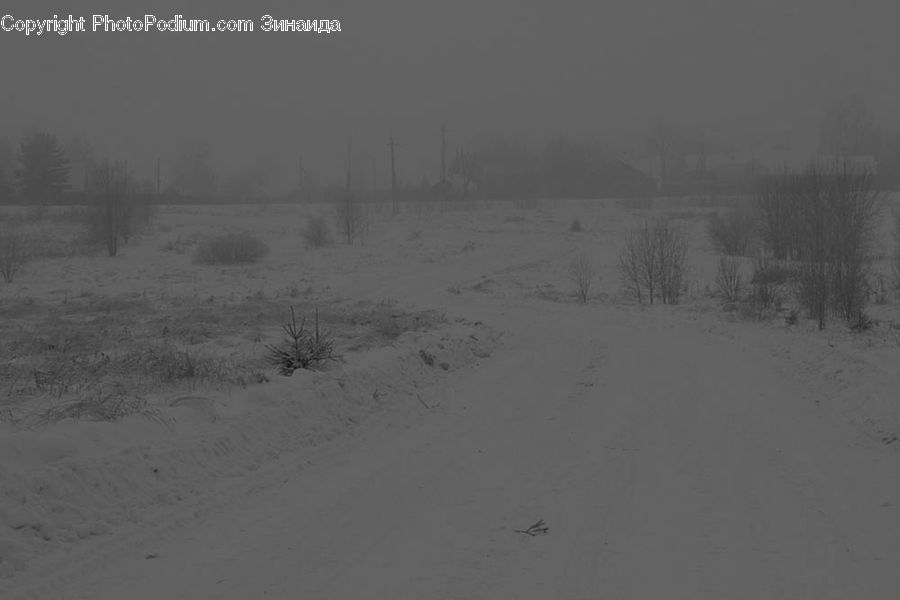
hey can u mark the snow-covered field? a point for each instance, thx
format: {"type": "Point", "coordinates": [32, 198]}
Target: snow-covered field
{"type": "Point", "coordinates": [670, 451]}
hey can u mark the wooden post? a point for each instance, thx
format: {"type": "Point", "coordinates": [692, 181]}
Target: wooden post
{"type": "Point", "coordinates": [395, 207]}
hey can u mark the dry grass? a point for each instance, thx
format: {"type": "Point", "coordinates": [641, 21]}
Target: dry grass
{"type": "Point", "coordinates": [106, 357]}
{"type": "Point", "coordinates": [232, 248]}
{"type": "Point", "coordinates": [13, 253]}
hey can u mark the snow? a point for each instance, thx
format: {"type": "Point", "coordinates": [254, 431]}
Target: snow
{"type": "Point", "coordinates": [672, 452]}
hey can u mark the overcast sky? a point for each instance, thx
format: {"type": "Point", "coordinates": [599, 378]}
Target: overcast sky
{"type": "Point", "coordinates": [604, 69]}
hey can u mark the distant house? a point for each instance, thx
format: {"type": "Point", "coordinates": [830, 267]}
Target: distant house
{"type": "Point", "coordinates": [612, 176]}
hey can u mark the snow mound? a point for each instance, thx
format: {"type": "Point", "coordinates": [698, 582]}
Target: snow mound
{"type": "Point", "coordinates": [81, 485]}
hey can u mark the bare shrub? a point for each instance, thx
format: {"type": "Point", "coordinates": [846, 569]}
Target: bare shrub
{"type": "Point", "coordinates": [317, 234]}
{"type": "Point", "coordinates": [230, 248]}
{"type": "Point", "coordinates": [353, 220]}
{"type": "Point", "coordinates": [582, 273]}
{"type": "Point", "coordinates": [732, 233]}
{"type": "Point", "coordinates": [825, 217]}
{"type": "Point", "coordinates": [769, 282]}
{"type": "Point", "coordinates": [576, 227]}
{"type": "Point", "coordinates": [13, 254]}
{"type": "Point", "coordinates": [671, 248]}
{"type": "Point", "coordinates": [878, 288]}
{"type": "Point", "coordinates": [840, 211]}
{"type": "Point", "coordinates": [896, 257]}
{"type": "Point", "coordinates": [652, 262]}
{"type": "Point", "coordinates": [779, 208]}
{"type": "Point", "coordinates": [637, 264]}
{"type": "Point", "coordinates": [729, 283]}
{"type": "Point", "coordinates": [116, 214]}
{"type": "Point", "coordinates": [861, 322]}
{"type": "Point", "coordinates": [304, 349]}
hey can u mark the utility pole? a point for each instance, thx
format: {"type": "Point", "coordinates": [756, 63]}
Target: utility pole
{"type": "Point", "coordinates": [701, 161]}
{"type": "Point", "coordinates": [443, 154]}
{"type": "Point", "coordinates": [349, 164]}
{"type": "Point", "coordinates": [301, 183]}
{"type": "Point", "coordinates": [395, 207]}
{"type": "Point", "coordinates": [157, 177]}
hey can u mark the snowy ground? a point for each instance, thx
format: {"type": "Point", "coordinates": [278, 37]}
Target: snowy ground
{"type": "Point", "coordinates": [674, 452]}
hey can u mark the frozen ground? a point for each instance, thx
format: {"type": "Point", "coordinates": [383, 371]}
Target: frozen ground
{"type": "Point", "coordinates": [673, 452]}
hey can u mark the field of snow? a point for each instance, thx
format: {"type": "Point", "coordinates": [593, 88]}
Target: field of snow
{"type": "Point", "coordinates": [670, 451]}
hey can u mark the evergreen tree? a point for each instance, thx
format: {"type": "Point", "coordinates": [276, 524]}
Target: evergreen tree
{"type": "Point", "coordinates": [44, 170]}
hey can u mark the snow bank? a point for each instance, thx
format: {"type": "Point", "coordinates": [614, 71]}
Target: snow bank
{"type": "Point", "coordinates": [75, 483]}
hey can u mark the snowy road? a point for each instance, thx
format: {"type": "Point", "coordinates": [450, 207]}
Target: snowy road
{"type": "Point", "coordinates": [666, 464]}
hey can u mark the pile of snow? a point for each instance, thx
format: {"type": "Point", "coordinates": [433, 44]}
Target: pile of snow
{"type": "Point", "coordinates": [75, 483]}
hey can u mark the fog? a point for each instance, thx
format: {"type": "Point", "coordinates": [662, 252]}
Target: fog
{"type": "Point", "coordinates": [744, 72]}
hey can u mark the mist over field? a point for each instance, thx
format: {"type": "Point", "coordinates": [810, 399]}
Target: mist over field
{"type": "Point", "coordinates": [744, 74]}
{"type": "Point", "coordinates": [450, 300]}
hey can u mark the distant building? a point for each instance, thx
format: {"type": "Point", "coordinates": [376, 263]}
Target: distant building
{"type": "Point", "coordinates": [612, 176]}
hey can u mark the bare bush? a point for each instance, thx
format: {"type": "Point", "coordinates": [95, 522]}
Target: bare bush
{"type": "Point", "coordinates": [729, 283]}
{"type": "Point", "coordinates": [825, 217]}
{"type": "Point", "coordinates": [575, 226]}
{"type": "Point", "coordinates": [317, 234]}
{"type": "Point", "coordinates": [896, 257]}
{"type": "Point", "coordinates": [13, 254]}
{"type": "Point", "coordinates": [353, 220]}
{"type": "Point", "coordinates": [637, 264]}
{"type": "Point", "coordinates": [671, 248]}
{"type": "Point", "coordinates": [582, 273]}
{"type": "Point", "coordinates": [230, 248]}
{"type": "Point", "coordinates": [116, 214]}
{"type": "Point", "coordinates": [732, 233]}
{"type": "Point", "coordinates": [878, 289]}
{"type": "Point", "coordinates": [840, 211]}
{"type": "Point", "coordinates": [652, 262]}
{"type": "Point", "coordinates": [304, 349]}
{"type": "Point", "coordinates": [779, 209]}
{"type": "Point", "coordinates": [769, 282]}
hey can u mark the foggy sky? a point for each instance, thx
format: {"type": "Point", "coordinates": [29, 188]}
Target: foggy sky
{"type": "Point", "coordinates": [592, 69]}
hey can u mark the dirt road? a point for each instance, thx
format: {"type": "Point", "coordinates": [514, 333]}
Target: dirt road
{"type": "Point", "coordinates": [665, 463]}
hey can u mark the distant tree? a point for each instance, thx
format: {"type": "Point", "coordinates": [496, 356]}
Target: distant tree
{"type": "Point", "coordinates": [192, 173]}
{"type": "Point", "coordinates": [43, 172]}
{"type": "Point", "coordinates": [565, 167]}
{"type": "Point", "coordinates": [509, 169]}
{"type": "Point", "coordinates": [112, 216]}
{"type": "Point", "coordinates": [245, 184]}
{"type": "Point", "coordinates": [662, 143]}
{"type": "Point", "coordinates": [81, 155]}
{"type": "Point", "coordinates": [467, 166]}
{"type": "Point", "coordinates": [848, 128]}
{"type": "Point", "coordinates": [7, 171]}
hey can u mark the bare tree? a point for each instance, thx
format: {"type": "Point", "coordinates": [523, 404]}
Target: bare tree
{"type": "Point", "coordinates": [779, 210]}
{"type": "Point", "coordinates": [825, 218]}
{"type": "Point", "coordinates": [582, 273]}
{"type": "Point", "coordinates": [652, 262]}
{"type": "Point", "coordinates": [113, 217]}
{"type": "Point", "coordinates": [192, 172]}
{"type": "Point", "coordinates": [466, 166]}
{"type": "Point", "coordinates": [44, 170]}
{"type": "Point", "coordinates": [671, 251]}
